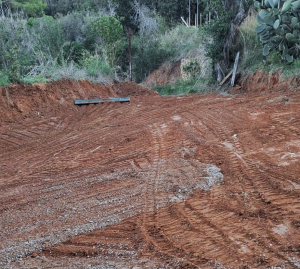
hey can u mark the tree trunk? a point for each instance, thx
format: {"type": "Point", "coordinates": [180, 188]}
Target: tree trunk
{"type": "Point", "coordinates": [129, 35]}
{"type": "Point", "coordinates": [240, 15]}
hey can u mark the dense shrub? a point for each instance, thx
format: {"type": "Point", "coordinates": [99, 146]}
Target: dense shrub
{"type": "Point", "coordinates": [48, 39]}
{"type": "Point", "coordinates": [15, 48]}
{"type": "Point", "coordinates": [217, 30]}
{"type": "Point", "coordinates": [33, 8]}
{"type": "Point", "coordinates": [110, 29]}
{"type": "Point", "coordinates": [192, 68]}
{"type": "Point", "coordinates": [279, 28]}
{"type": "Point", "coordinates": [181, 42]}
{"type": "Point", "coordinates": [248, 44]}
{"type": "Point", "coordinates": [147, 56]}
{"type": "Point", "coordinates": [96, 65]}
{"type": "Point", "coordinates": [37, 47]}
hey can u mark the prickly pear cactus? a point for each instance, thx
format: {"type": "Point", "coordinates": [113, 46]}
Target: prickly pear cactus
{"type": "Point", "coordinates": [279, 27]}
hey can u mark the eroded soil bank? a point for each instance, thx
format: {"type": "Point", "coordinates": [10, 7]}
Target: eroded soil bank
{"type": "Point", "coordinates": [199, 181]}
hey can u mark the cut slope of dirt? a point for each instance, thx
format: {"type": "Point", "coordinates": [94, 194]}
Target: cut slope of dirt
{"type": "Point", "coordinates": [261, 82]}
{"type": "Point", "coordinates": [24, 100]}
{"type": "Point", "coordinates": [168, 73]}
{"type": "Point", "coordinates": [160, 182]}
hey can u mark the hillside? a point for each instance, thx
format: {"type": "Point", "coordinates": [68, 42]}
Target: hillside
{"type": "Point", "coordinates": [191, 173]}
{"type": "Point", "coordinates": [199, 181]}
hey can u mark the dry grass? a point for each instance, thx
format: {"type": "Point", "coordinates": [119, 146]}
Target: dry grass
{"type": "Point", "coordinates": [252, 49]}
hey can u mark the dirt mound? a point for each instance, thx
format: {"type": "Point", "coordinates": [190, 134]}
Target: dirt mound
{"type": "Point", "coordinates": [201, 181]}
{"type": "Point", "coordinates": [25, 100]}
{"type": "Point", "coordinates": [132, 89]}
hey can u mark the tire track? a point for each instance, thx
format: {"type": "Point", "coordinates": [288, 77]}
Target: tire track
{"type": "Point", "coordinates": [118, 184]}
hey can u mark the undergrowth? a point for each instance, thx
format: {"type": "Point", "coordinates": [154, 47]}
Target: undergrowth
{"type": "Point", "coordinates": [181, 42]}
{"type": "Point", "coordinates": [183, 87]}
{"type": "Point", "coordinates": [4, 80]}
{"type": "Point", "coordinates": [252, 59]}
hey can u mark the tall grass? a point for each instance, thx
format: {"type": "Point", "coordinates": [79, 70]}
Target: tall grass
{"type": "Point", "coordinates": [182, 41]}
{"type": "Point", "coordinates": [252, 49]}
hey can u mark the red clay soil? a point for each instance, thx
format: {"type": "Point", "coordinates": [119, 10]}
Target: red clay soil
{"type": "Point", "coordinates": [168, 73]}
{"type": "Point", "coordinates": [199, 181]}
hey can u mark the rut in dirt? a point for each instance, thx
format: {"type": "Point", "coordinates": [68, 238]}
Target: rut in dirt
{"type": "Point", "coordinates": [201, 181]}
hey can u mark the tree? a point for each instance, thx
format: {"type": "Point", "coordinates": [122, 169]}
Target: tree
{"type": "Point", "coordinates": [172, 10]}
{"type": "Point", "coordinates": [226, 16]}
{"type": "Point", "coordinates": [110, 29]}
{"type": "Point", "coordinates": [34, 8]}
{"type": "Point", "coordinates": [64, 7]}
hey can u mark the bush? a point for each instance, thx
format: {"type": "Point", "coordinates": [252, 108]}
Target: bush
{"type": "Point", "coordinates": [279, 28]}
{"type": "Point", "coordinates": [147, 57]}
{"type": "Point", "coordinates": [181, 42]}
{"type": "Point", "coordinates": [217, 30]}
{"type": "Point", "coordinates": [188, 43]}
{"type": "Point", "coordinates": [67, 71]}
{"type": "Point", "coordinates": [184, 87]}
{"type": "Point", "coordinates": [4, 79]}
{"type": "Point", "coordinates": [14, 46]}
{"type": "Point", "coordinates": [30, 7]}
{"type": "Point", "coordinates": [252, 58]}
{"type": "Point", "coordinates": [77, 27]}
{"type": "Point", "coordinates": [48, 39]}
{"type": "Point", "coordinates": [110, 29]}
{"type": "Point", "coordinates": [248, 43]}
{"type": "Point", "coordinates": [192, 68]}
{"type": "Point", "coordinates": [96, 65]}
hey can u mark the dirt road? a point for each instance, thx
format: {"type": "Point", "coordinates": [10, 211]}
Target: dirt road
{"type": "Point", "coordinates": [200, 181]}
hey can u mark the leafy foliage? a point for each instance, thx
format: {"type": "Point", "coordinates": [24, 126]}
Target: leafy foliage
{"type": "Point", "coordinates": [65, 7]}
{"type": "Point", "coordinates": [147, 56]}
{"type": "Point", "coordinates": [85, 38]}
{"type": "Point", "coordinates": [173, 10]}
{"type": "Point", "coordinates": [192, 68]}
{"type": "Point", "coordinates": [31, 7]}
{"type": "Point", "coordinates": [14, 47]}
{"type": "Point", "coordinates": [279, 27]}
{"type": "Point", "coordinates": [184, 87]}
{"type": "Point", "coordinates": [48, 38]}
{"type": "Point", "coordinates": [4, 79]}
{"type": "Point", "coordinates": [182, 41]}
{"type": "Point", "coordinates": [217, 29]}
{"type": "Point", "coordinates": [37, 47]}
{"type": "Point", "coordinates": [95, 65]}
{"type": "Point", "coordinates": [110, 29]}
{"type": "Point", "coordinates": [249, 45]}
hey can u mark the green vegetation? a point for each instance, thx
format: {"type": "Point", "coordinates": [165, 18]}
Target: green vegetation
{"type": "Point", "coordinates": [182, 41]}
{"type": "Point", "coordinates": [30, 7]}
{"type": "Point", "coordinates": [95, 65]}
{"type": "Point", "coordinates": [217, 30]}
{"type": "Point", "coordinates": [252, 58]}
{"type": "Point", "coordinates": [248, 43]}
{"type": "Point", "coordinates": [110, 29]}
{"type": "Point", "coordinates": [184, 87]}
{"type": "Point", "coordinates": [279, 27]}
{"type": "Point", "coordinates": [193, 69]}
{"type": "Point", "coordinates": [101, 40]}
{"type": "Point", "coordinates": [4, 79]}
